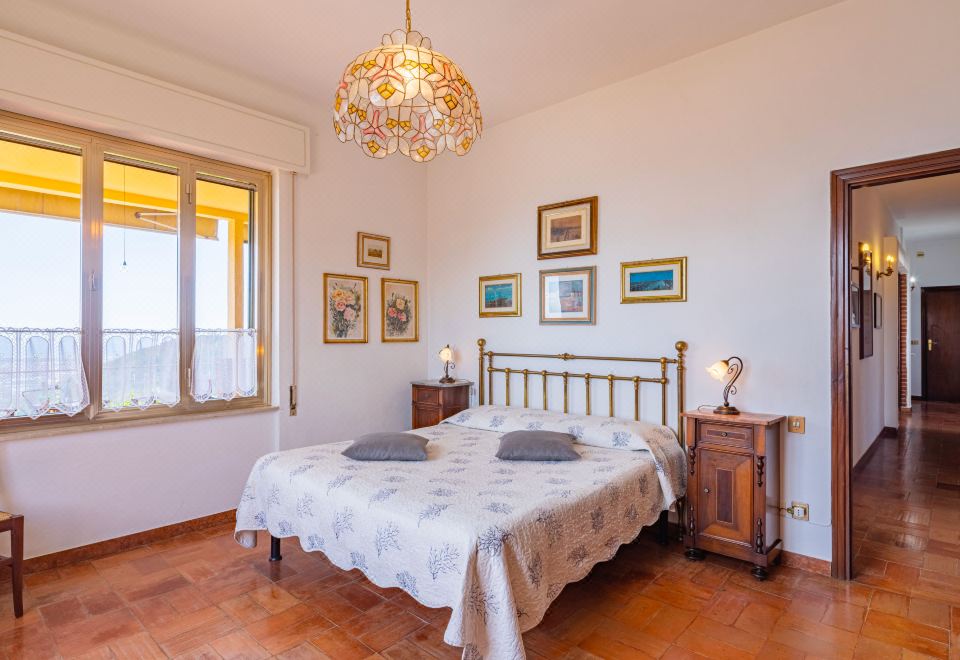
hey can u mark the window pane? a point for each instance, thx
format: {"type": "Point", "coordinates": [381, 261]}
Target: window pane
{"type": "Point", "coordinates": [141, 346]}
{"type": "Point", "coordinates": [225, 355]}
{"type": "Point", "coordinates": [40, 278]}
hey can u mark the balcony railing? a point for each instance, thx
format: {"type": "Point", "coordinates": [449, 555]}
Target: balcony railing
{"type": "Point", "coordinates": [41, 370]}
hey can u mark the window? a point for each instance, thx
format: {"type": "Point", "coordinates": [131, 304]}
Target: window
{"type": "Point", "coordinates": [135, 279]}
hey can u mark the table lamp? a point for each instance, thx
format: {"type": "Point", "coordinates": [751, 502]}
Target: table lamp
{"type": "Point", "coordinates": [446, 356]}
{"type": "Point", "coordinates": [721, 369]}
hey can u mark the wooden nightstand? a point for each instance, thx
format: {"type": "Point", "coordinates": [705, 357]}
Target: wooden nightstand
{"type": "Point", "coordinates": [733, 494]}
{"type": "Point", "coordinates": [434, 401]}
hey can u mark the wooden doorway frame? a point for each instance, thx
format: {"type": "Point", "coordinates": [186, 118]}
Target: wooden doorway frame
{"type": "Point", "coordinates": [842, 184]}
{"type": "Point", "coordinates": [923, 335]}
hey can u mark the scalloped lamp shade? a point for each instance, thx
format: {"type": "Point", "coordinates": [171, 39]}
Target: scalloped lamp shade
{"type": "Point", "coordinates": [718, 369]}
{"type": "Point", "coordinates": [405, 97]}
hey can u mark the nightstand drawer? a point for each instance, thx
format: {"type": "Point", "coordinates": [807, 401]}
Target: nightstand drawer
{"type": "Point", "coordinates": [726, 434]}
{"type": "Point", "coordinates": [429, 395]}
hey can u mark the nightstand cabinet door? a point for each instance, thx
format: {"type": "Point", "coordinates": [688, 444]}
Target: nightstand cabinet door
{"type": "Point", "coordinates": [726, 496]}
{"type": "Point", "coordinates": [433, 402]}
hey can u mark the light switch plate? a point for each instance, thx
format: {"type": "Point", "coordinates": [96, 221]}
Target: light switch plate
{"type": "Point", "coordinates": [796, 424]}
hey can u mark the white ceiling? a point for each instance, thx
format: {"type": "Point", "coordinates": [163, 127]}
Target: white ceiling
{"type": "Point", "coordinates": [520, 55]}
{"type": "Point", "coordinates": [925, 208]}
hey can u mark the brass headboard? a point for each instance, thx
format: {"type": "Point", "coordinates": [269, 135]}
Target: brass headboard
{"type": "Point", "coordinates": [486, 389]}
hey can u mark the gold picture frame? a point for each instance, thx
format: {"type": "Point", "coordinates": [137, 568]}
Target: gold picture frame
{"type": "Point", "coordinates": [373, 251]}
{"type": "Point", "coordinates": [345, 315]}
{"type": "Point", "coordinates": [500, 295]}
{"type": "Point", "coordinates": [568, 296]}
{"type": "Point", "coordinates": [567, 229]}
{"type": "Point", "coordinates": [653, 280]}
{"type": "Point", "coordinates": [399, 314]}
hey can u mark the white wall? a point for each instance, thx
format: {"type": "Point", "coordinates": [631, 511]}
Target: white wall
{"type": "Point", "coordinates": [871, 222]}
{"type": "Point", "coordinates": [940, 266]}
{"type": "Point", "coordinates": [723, 157]}
{"type": "Point", "coordinates": [81, 488]}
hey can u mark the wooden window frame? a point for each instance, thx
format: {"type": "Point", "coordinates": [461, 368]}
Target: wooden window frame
{"type": "Point", "coordinates": [93, 146]}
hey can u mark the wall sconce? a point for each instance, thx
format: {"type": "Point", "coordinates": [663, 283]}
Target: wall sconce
{"type": "Point", "coordinates": [889, 271]}
{"type": "Point", "coordinates": [446, 356]}
{"type": "Point", "coordinates": [719, 370]}
{"type": "Point", "coordinates": [913, 283]}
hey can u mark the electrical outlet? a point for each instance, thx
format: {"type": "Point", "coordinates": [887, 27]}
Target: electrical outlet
{"type": "Point", "coordinates": [799, 511]}
{"type": "Point", "coordinates": [796, 424]}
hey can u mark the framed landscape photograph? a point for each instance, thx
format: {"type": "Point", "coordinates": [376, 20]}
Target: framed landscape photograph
{"type": "Point", "coordinates": [345, 309]}
{"type": "Point", "coordinates": [399, 310]}
{"type": "Point", "coordinates": [373, 251]}
{"type": "Point", "coordinates": [654, 280]}
{"type": "Point", "coordinates": [568, 296]}
{"type": "Point", "coordinates": [500, 295]}
{"type": "Point", "coordinates": [567, 229]}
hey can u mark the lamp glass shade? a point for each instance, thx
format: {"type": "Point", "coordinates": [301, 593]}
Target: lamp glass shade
{"type": "Point", "coordinates": [718, 369]}
{"type": "Point", "coordinates": [446, 354]}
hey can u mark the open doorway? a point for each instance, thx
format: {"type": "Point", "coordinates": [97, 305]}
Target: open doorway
{"type": "Point", "coordinates": [896, 331]}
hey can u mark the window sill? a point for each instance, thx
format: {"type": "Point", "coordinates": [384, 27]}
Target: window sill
{"type": "Point", "coordinates": [70, 426]}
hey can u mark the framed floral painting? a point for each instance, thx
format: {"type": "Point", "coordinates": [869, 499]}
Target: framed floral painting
{"type": "Point", "coordinates": [567, 229]}
{"type": "Point", "coordinates": [568, 296]}
{"type": "Point", "coordinates": [399, 310]}
{"type": "Point", "coordinates": [345, 309]}
{"type": "Point", "coordinates": [373, 251]}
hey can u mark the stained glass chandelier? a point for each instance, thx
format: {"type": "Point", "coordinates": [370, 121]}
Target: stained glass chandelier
{"type": "Point", "coordinates": [403, 96]}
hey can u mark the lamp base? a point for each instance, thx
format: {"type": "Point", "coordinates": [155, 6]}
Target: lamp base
{"type": "Point", "coordinates": [448, 379]}
{"type": "Point", "coordinates": [726, 409]}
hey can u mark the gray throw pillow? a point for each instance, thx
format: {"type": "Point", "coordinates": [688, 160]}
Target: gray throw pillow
{"type": "Point", "coordinates": [388, 447]}
{"type": "Point", "coordinates": [537, 446]}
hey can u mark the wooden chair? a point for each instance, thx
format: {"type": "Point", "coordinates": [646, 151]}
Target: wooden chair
{"type": "Point", "coordinates": [13, 523]}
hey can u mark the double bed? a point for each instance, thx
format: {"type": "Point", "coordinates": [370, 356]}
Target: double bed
{"type": "Point", "coordinates": [494, 540]}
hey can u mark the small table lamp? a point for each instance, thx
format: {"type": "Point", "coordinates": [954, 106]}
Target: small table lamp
{"type": "Point", "coordinates": [446, 356]}
{"type": "Point", "coordinates": [720, 370]}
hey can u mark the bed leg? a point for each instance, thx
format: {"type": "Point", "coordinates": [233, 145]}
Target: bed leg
{"type": "Point", "coordinates": [275, 549]}
{"type": "Point", "coordinates": [663, 527]}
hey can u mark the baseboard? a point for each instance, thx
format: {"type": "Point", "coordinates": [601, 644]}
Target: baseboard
{"type": "Point", "coordinates": [805, 563]}
{"type": "Point", "coordinates": [111, 546]}
{"type": "Point", "coordinates": [885, 432]}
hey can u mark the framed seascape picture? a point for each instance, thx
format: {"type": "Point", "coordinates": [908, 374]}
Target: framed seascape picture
{"type": "Point", "coordinates": [568, 296]}
{"type": "Point", "coordinates": [399, 310]}
{"type": "Point", "coordinates": [655, 280]}
{"type": "Point", "coordinates": [373, 251]}
{"type": "Point", "coordinates": [500, 295]}
{"type": "Point", "coordinates": [345, 309]}
{"type": "Point", "coordinates": [567, 229]}
{"type": "Point", "coordinates": [854, 305]}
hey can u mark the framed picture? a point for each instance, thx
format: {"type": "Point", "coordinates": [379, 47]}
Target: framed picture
{"type": "Point", "coordinates": [866, 301]}
{"type": "Point", "coordinates": [655, 280]}
{"type": "Point", "coordinates": [568, 296]}
{"type": "Point", "coordinates": [345, 309]}
{"type": "Point", "coordinates": [399, 310]}
{"type": "Point", "coordinates": [373, 251]}
{"type": "Point", "coordinates": [877, 311]}
{"type": "Point", "coordinates": [500, 295]}
{"type": "Point", "coordinates": [854, 305]}
{"type": "Point", "coordinates": [567, 229]}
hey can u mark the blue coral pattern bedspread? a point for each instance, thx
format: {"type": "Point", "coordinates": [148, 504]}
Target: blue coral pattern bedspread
{"type": "Point", "coordinates": [494, 540]}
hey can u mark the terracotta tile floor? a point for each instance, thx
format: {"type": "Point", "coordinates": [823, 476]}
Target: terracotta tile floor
{"type": "Point", "coordinates": [202, 595]}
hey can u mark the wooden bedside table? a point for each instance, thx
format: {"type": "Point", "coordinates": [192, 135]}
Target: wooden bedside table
{"type": "Point", "coordinates": [434, 401]}
{"type": "Point", "coordinates": [733, 494]}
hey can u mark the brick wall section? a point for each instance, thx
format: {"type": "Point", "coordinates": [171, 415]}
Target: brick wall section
{"type": "Point", "coordinates": [902, 318]}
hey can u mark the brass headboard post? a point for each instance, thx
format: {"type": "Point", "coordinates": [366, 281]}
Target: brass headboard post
{"type": "Point", "coordinates": [681, 347]}
{"type": "Point", "coordinates": [481, 343]}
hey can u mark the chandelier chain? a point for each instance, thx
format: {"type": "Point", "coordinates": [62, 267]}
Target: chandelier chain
{"type": "Point", "coordinates": [408, 15]}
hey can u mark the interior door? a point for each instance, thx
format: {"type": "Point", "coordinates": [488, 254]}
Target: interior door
{"type": "Point", "coordinates": [940, 311]}
{"type": "Point", "coordinates": [726, 495]}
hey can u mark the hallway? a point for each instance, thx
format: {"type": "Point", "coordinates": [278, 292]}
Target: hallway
{"type": "Point", "coordinates": [906, 514]}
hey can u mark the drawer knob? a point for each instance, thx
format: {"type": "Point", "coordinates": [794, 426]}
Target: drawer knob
{"type": "Point", "coordinates": [706, 490]}
{"type": "Point", "coordinates": [723, 434]}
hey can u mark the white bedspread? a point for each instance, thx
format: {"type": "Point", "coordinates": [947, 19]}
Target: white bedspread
{"type": "Point", "coordinates": [494, 540]}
